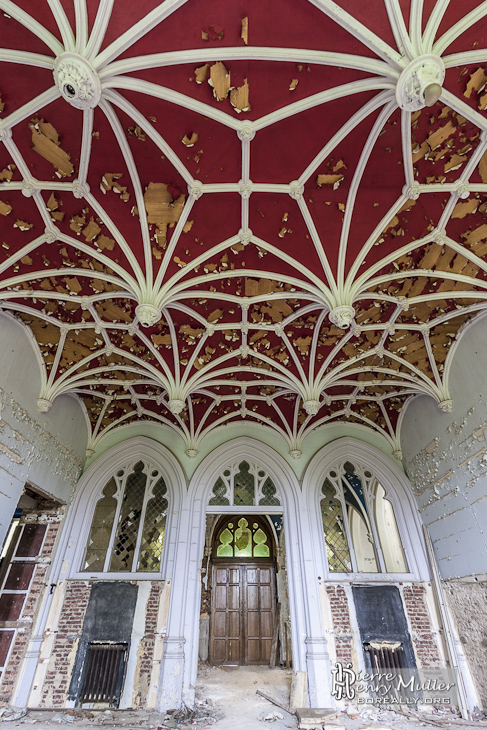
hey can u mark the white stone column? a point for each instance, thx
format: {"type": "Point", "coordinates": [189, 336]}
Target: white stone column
{"type": "Point", "coordinates": [317, 657]}
{"type": "Point", "coordinates": [174, 659]}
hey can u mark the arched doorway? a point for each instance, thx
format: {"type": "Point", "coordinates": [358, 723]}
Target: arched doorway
{"type": "Point", "coordinates": [243, 591]}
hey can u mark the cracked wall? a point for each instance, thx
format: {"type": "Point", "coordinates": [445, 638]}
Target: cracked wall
{"type": "Point", "coordinates": [445, 457]}
{"type": "Point", "coordinates": [45, 449]}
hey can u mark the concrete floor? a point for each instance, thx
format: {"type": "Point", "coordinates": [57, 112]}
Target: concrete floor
{"type": "Point", "coordinates": [226, 699]}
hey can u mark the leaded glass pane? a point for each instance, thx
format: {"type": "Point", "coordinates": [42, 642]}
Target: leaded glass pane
{"type": "Point", "coordinates": [390, 541]}
{"type": "Point", "coordinates": [244, 486]}
{"type": "Point", "coordinates": [261, 550]}
{"type": "Point", "coordinates": [154, 528]}
{"type": "Point", "coordinates": [101, 529]}
{"type": "Point", "coordinates": [224, 549]}
{"type": "Point", "coordinates": [269, 492]}
{"type": "Point", "coordinates": [129, 520]}
{"type": "Point", "coordinates": [359, 523]}
{"type": "Point", "coordinates": [243, 540]}
{"type": "Point", "coordinates": [335, 536]}
{"type": "Point", "coordinates": [219, 491]}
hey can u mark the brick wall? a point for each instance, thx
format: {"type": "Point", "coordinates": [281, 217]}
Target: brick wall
{"type": "Point", "coordinates": [419, 619]}
{"type": "Point", "coordinates": [146, 650]}
{"type": "Point", "coordinates": [68, 632]}
{"type": "Point", "coordinates": [32, 602]}
{"type": "Point", "coordinates": [341, 623]}
{"type": "Point", "coordinates": [415, 605]}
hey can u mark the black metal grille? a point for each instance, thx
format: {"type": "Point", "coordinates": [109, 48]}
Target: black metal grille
{"type": "Point", "coordinates": [384, 656]}
{"type": "Point", "coordinates": [103, 678]}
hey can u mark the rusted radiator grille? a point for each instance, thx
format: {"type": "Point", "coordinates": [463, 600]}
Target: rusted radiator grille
{"type": "Point", "coordinates": [384, 655]}
{"type": "Point", "coordinates": [104, 673]}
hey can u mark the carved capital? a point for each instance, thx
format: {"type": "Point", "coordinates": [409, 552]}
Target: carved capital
{"type": "Point", "coordinates": [195, 189]}
{"type": "Point", "coordinates": [77, 81]}
{"type": "Point", "coordinates": [246, 132]}
{"type": "Point", "coordinates": [80, 189]}
{"type": "Point", "coordinates": [463, 191]}
{"type": "Point", "coordinates": [176, 405]}
{"type": "Point", "coordinates": [419, 84]}
{"type": "Point", "coordinates": [296, 190]}
{"type": "Point", "coordinates": [445, 406]}
{"type": "Point", "coordinates": [148, 314]}
{"type": "Point", "coordinates": [43, 405]}
{"type": "Point", "coordinates": [342, 316]}
{"type": "Point", "coordinates": [192, 453]}
{"type": "Point", "coordinates": [245, 236]}
{"type": "Point", "coordinates": [50, 235]}
{"type": "Point", "coordinates": [245, 189]}
{"type": "Point", "coordinates": [311, 407]}
{"type": "Point", "coordinates": [412, 192]}
{"type": "Point", "coordinates": [28, 189]}
{"type": "Point", "coordinates": [440, 237]}
{"type": "Point", "coordinates": [295, 454]}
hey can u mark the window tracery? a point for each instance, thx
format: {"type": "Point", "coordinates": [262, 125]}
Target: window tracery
{"type": "Point", "coordinates": [359, 525]}
{"type": "Point", "coordinates": [129, 522]}
{"type": "Point", "coordinates": [242, 537]}
{"type": "Point", "coordinates": [244, 483]}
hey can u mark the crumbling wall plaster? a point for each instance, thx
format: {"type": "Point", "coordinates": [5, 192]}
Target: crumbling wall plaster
{"type": "Point", "coordinates": [342, 624]}
{"type": "Point", "coordinates": [145, 648]}
{"type": "Point", "coordinates": [467, 600]}
{"type": "Point", "coordinates": [45, 449]}
{"type": "Point", "coordinates": [63, 633]}
{"type": "Point", "coordinates": [67, 633]}
{"type": "Point", "coordinates": [425, 638]}
{"type": "Point", "coordinates": [445, 456]}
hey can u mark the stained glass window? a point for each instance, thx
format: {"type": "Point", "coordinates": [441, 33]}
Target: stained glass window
{"type": "Point", "coordinates": [360, 529]}
{"type": "Point", "coordinates": [335, 537]}
{"type": "Point", "coordinates": [244, 486]}
{"type": "Point", "coordinates": [390, 541]}
{"type": "Point", "coordinates": [101, 529]}
{"type": "Point", "coordinates": [249, 485]}
{"type": "Point", "coordinates": [154, 528]}
{"type": "Point", "coordinates": [219, 491]}
{"type": "Point", "coordinates": [269, 492]}
{"type": "Point", "coordinates": [242, 538]}
{"type": "Point", "coordinates": [129, 523]}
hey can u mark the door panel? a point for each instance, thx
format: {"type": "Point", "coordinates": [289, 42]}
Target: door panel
{"type": "Point", "coordinates": [242, 613]}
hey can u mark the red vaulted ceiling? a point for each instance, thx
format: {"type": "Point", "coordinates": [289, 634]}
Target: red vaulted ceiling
{"type": "Point", "coordinates": [246, 171]}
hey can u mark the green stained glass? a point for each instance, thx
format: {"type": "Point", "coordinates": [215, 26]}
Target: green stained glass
{"type": "Point", "coordinates": [335, 537]}
{"type": "Point", "coordinates": [219, 491]}
{"type": "Point", "coordinates": [225, 550]}
{"type": "Point", "coordinates": [244, 486]}
{"type": "Point", "coordinates": [243, 540]}
{"type": "Point", "coordinates": [129, 519]}
{"type": "Point", "coordinates": [261, 550]}
{"type": "Point", "coordinates": [154, 528]}
{"type": "Point", "coordinates": [101, 529]}
{"type": "Point", "coordinates": [269, 492]}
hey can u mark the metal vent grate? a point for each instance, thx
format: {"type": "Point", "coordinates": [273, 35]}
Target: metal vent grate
{"type": "Point", "coordinates": [104, 673]}
{"type": "Point", "coordinates": [385, 655]}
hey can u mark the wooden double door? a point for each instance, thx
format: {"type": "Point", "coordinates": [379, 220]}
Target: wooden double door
{"type": "Point", "coordinates": [243, 605]}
